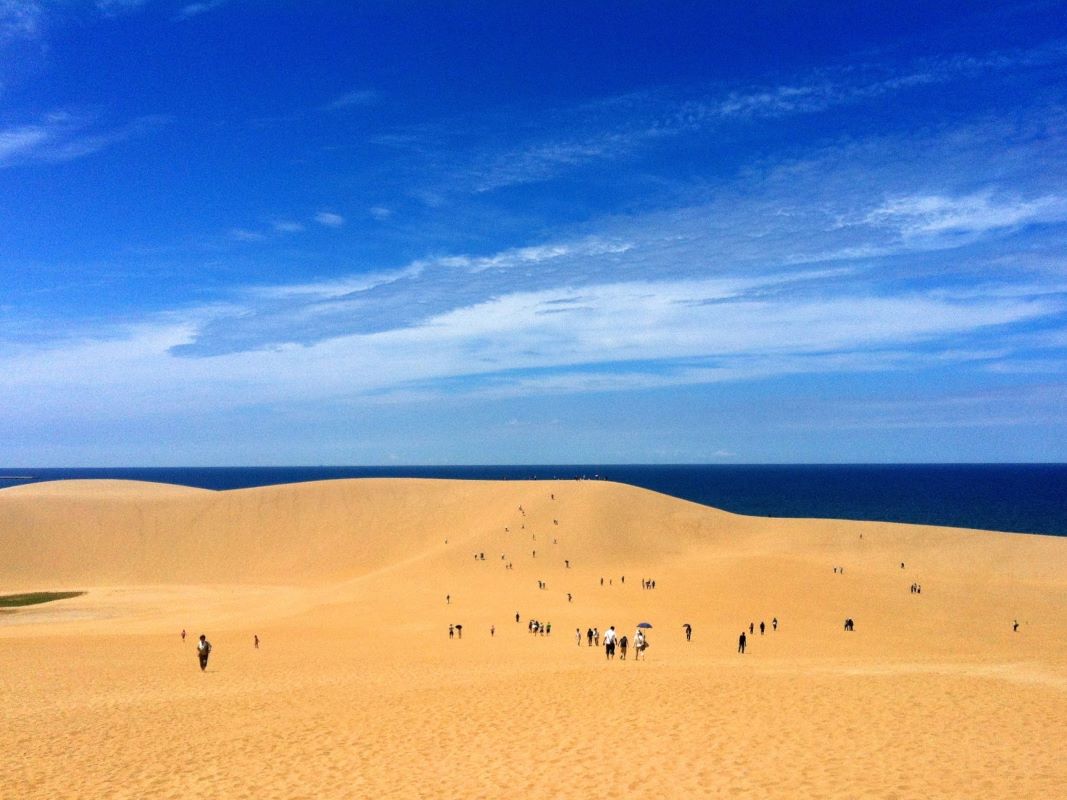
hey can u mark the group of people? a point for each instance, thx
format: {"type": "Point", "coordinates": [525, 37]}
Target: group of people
{"type": "Point", "coordinates": [539, 628]}
{"type": "Point", "coordinates": [742, 640]}
{"type": "Point", "coordinates": [455, 631]}
{"type": "Point", "coordinates": [648, 584]}
{"type": "Point", "coordinates": [613, 642]}
{"type": "Point", "coordinates": [203, 648]}
{"type": "Point", "coordinates": [763, 626]}
{"type": "Point", "coordinates": [916, 588]}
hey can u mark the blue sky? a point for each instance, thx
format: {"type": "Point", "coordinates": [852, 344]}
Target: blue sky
{"type": "Point", "coordinates": [432, 233]}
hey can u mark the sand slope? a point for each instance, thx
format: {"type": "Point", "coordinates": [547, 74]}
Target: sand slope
{"type": "Point", "coordinates": [358, 691]}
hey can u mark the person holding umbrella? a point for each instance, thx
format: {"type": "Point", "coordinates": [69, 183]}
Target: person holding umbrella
{"type": "Point", "coordinates": [640, 641]}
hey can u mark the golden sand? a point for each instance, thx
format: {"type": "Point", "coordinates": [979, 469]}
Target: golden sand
{"type": "Point", "coordinates": [357, 690]}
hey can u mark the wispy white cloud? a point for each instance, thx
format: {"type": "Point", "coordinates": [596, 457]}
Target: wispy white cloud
{"type": "Point", "coordinates": [925, 215]}
{"type": "Point", "coordinates": [196, 9]}
{"type": "Point", "coordinates": [329, 219]}
{"type": "Point", "coordinates": [645, 334]}
{"type": "Point", "coordinates": [20, 19]}
{"type": "Point", "coordinates": [849, 258]}
{"type": "Point", "coordinates": [846, 221]}
{"type": "Point", "coordinates": [354, 98]}
{"type": "Point", "coordinates": [63, 136]}
{"type": "Point", "coordinates": [611, 129]}
{"type": "Point", "coordinates": [112, 8]}
{"type": "Point", "coordinates": [21, 141]}
{"type": "Point", "coordinates": [245, 235]}
{"type": "Point", "coordinates": [380, 213]}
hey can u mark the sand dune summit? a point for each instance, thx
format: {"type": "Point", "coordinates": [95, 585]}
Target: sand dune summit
{"type": "Point", "coordinates": [357, 688]}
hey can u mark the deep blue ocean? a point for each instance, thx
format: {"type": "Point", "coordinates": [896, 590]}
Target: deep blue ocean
{"type": "Point", "coordinates": [1024, 498]}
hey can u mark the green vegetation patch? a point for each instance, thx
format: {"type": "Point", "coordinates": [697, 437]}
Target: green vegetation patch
{"type": "Point", "coordinates": [34, 598]}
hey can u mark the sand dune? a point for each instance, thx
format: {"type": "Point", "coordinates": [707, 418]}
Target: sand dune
{"type": "Point", "coordinates": [358, 691]}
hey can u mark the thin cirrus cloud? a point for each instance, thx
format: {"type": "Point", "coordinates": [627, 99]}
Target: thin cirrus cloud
{"type": "Point", "coordinates": [352, 99]}
{"type": "Point", "coordinates": [643, 334]}
{"type": "Point", "coordinates": [838, 225]}
{"type": "Point", "coordinates": [329, 219]}
{"type": "Point", "coordinates": [196, 9]}
{"type": "Point", "coordinates": [613, 128]}
{"type": "Point", "coordinates": [63, 136]}
{"type": "Point", "coordinates": [927, 215]}
{"type": "Point", "coordinates": [285, 226]}
{"type": "Point", "coordinates": [853, 256]}
{"type": "Point", "coordinates": [20, 20]}
{"type": "Point", "coordinates": [288, 226]}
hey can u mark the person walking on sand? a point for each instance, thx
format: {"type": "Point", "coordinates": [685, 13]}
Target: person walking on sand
{"type": "Point", "coordinates": [203, 650]}
{"type": "Point", "coordinates": [492, 630]}
{"type": "Point", "coordinates": [688, 631]}
{"type": "Point", "coordinates": [609, 643]}
{"type": "Point", "coordinates": [451, 631]}
{"type": "Point", "coordinates": [774, 624]}
{"type": "Point", "coordinates": [578, 636]}
{"type": "Point", "coordinates": [762, 627]}
{"type": "Point", "coordinates": [741, 642]}
{"type": "Point", "coordinates": [623, 644]}
{"type": "Point", "coordinates": [183, 634]}
{"type": "Point", "coordinates": [1015, 626]}
{"type": "Point", "coordinates": [639, 643]}
{"type": "Point", "coordinates": [459, 631]}
{"type": "Point", "coordinates": [255, 638]}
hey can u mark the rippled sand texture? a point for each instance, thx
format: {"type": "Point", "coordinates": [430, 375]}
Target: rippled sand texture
{"type": "Point", "coordinates": [357, 691]}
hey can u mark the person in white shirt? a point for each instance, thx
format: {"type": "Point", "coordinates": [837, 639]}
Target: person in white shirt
{"type": "Point", "coordinates": [609, 642]}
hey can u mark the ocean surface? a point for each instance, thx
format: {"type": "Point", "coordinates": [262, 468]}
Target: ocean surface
{"type": "Point", "coordinates": [1023, 498]}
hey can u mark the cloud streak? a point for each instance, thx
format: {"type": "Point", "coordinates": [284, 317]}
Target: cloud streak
{"type": "Point", "coordinates": [856, 255]}
{"type": "Point", "coordinates": [191, 10]}
{"type": "Point", "coordinates": [20, 20]}
{"type": "Point", "coordinates": [353, 99]}
{"type": "Point", "coordinates": [62, 136]}
{"type": "Point", "coordinates": [620, 127]}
